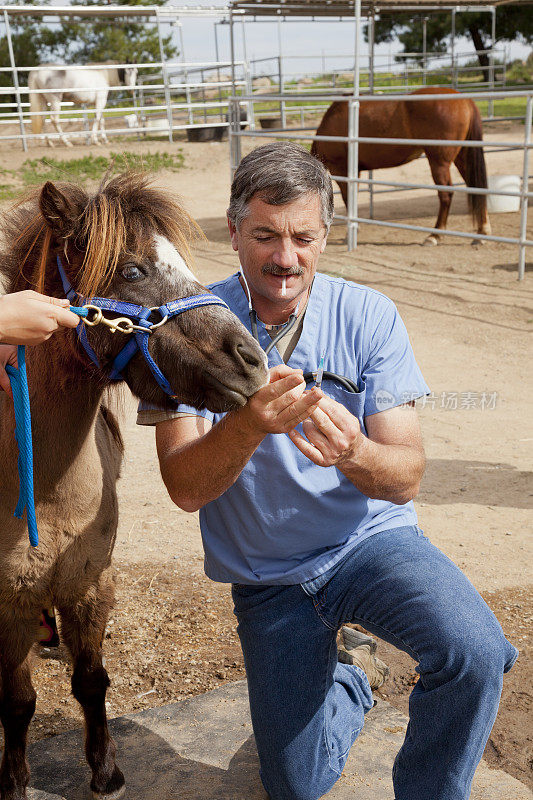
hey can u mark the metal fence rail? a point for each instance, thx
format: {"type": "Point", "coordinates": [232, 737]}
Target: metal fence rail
{"type": "Point", "coordinates": [353, 139]}
{"type": "Point", "coordinates": [157, 92]}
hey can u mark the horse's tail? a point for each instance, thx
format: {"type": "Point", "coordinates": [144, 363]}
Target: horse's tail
{"type": "Point", "coordinates": [37, 104]}
{"type": "Point", "coordinates": [475, 169]}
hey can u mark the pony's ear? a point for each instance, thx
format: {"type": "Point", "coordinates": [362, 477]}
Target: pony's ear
{"type": "Point", "coordinates": [60, 212]}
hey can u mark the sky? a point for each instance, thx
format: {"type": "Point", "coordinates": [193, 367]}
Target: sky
{"type": "Point", "coordinates": [307, 46]}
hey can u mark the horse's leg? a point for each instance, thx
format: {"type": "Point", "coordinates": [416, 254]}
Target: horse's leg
{"type": "Point", "coordinates": [343, 186]}
{"type": "Point", "coordinates": [94, 129]}
{"type": "Point", "coordinates": [82, 628]}
{"type": "Point", "coordinates": [100, 104]}
{"type": "Point", "coordinates": [484, 222]}
{"type": "Point", "coordinates": [17, 703]}
{"type": "Point", "coordinates": [103, 134]}
{"type": "Point", "coordinates": [55, 107]}
{"type": "Point", "coordinates": [440, 170]}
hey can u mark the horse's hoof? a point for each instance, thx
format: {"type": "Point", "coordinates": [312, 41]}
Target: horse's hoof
{"type": "Point", "coordinates": [431, 241]}
{"type": "Point", "coordinates": [116, 787]}
{"type": "Point", "coordinates": [116, 795]}
{"type": "Point", "coordinates": [68, 144]}
{"type": "Point", "coordinates": [478, 242]}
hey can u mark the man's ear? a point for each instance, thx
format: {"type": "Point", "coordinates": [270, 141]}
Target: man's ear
{"type": "Point", "coordinates": [324, 243]}
{"type": "Point", "coordinates": [232, 234]}
{"type": "Point", "coordinates": [60, 212]}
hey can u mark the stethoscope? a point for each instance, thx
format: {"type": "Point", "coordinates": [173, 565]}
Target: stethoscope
{"type": "Point", "coordinates": [318, 375]}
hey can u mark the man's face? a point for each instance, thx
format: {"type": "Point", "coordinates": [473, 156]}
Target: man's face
{"type": "Point", "coordinates": [276, 242]}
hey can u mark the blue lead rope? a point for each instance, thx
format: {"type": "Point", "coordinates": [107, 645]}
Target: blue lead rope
{"type": "Point", "coordinates": [21, 400]}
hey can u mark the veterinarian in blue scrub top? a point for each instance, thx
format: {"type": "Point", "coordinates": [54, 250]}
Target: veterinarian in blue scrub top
{"type": "Point", "coordinates": [305, 501]}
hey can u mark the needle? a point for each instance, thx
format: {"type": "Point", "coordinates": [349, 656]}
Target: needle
{"type": "Point", "coordinates": [320, 370]}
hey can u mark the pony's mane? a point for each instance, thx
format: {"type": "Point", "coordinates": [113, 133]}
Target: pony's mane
{"type": "Point", "coordinates": [121, 216]}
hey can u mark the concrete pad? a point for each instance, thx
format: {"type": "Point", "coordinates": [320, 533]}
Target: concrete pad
{"type": "Point", "coordinates": [203, 749]}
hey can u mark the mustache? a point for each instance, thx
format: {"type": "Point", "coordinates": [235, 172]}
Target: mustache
{"type": "Point", "coordinates": [274, 269]}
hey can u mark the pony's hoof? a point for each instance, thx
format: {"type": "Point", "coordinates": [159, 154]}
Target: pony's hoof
{"type": "Point", "coordinates": [116, 795]}
{"type": "Point", "coordinates": [68, 143]}
{"type": "Point", "coordinates": [478, 242]}
{"type": "Point", "coordinates": [431, 241]}
{"type": "Point", "coordinates": [114, 788]}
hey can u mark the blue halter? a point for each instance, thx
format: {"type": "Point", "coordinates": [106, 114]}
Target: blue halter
{"type": "Point", "coordinates": [142, 329]}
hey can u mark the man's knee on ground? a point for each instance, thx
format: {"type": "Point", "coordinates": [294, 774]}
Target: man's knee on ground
{"type": "Point", "coordinates": [479, 655]}
{"type": "Point", "coordinates": [299, 781]}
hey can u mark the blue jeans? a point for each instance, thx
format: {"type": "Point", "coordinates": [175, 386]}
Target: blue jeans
{"type": "Point", "coordinates": [307, 709]}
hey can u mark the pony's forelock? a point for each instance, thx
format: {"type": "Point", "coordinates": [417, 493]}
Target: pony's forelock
{"type": "Point", "coordinates": [116, 219]}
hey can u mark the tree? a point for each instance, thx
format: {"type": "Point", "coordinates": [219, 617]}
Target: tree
{"type": "Point", "coordinates": [513, 22]}
{"type": "Point", "coordinates": [83, 40]}
{"type": "Point", "coordinates": [26, 43]}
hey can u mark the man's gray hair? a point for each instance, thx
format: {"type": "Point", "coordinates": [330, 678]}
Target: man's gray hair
{"type": "Point", "coordinates": [279, 173]}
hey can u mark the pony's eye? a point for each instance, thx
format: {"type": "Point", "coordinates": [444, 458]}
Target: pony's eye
{"type": "Point", "coordinates": [131, 273]}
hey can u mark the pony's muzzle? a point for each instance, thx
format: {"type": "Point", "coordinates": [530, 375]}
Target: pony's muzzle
{"type": "Point", "coordinates": [249, 356]}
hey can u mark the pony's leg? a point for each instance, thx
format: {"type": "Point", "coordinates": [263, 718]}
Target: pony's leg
{"type": "Point", "coordinates": [17, 703]}
{"type": "Point", "coordinates": [484, 223]}
{"type": "Point", "coordinates": [55, 107]}
{"type": "Point", "coordinates": [440, 170]}
{"type": "Point", "coordinates": [82, 628]}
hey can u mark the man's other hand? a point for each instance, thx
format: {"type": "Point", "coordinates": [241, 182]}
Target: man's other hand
{"type": "Point", "coordinates": [282, 404]}
{"type": "Point", "coordinates": [333, 434]}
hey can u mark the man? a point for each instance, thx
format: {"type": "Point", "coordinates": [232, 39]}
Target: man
{"type": "Point", "coordinates": [314, 524]}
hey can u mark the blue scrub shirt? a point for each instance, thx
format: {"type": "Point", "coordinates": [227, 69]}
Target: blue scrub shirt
{"type": "Point", "coordinates": [286, 520]}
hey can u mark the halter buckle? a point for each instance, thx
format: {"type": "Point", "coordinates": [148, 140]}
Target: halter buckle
{"type": "Point", "coordinates": [122, 324]}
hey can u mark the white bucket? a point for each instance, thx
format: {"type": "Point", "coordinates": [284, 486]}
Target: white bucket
{"type": "Point", "coordinates": [497, 203]}
{"type": "Point", "coordinates": [157, 124]}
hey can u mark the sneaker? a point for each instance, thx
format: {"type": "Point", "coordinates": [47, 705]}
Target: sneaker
{"type": "Point", "coordinates": [352, 639]}
{"type": "Point", "coordinates": [362, 655]}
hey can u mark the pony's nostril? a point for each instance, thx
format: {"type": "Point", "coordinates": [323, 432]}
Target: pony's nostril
{"type": "Point", "coordinates": [250, 354]}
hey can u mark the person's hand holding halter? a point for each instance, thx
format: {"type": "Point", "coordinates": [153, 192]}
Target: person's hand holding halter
{"type": "Point", "coordinates": [29, 318]}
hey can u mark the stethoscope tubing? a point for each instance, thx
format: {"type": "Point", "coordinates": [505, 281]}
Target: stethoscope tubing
{"type": "Point", "coordinates": [345, 382]}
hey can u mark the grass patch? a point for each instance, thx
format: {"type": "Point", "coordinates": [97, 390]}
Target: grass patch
{"type": "Point", "coordinates": [508, 107]}
{"type": "Point", "coordinates": [91, 168]}
{"type": "Point", "coordinates": [7, 192]}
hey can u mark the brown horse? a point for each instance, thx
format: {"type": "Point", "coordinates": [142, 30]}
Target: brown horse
{"type": "Point", "coordinates": [123, 242]}
{"type": "Point", "coordinates": [458, 120]}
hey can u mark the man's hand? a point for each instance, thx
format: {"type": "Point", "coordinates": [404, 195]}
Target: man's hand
{"type": "Point", "coordinates": [280, 405]}
{"type": "Point", "coordinates": [8, 355]}
{"type": "Point", "coordinates": [31, 318]}
{"type": "Point", "coordinates": [333, 434]}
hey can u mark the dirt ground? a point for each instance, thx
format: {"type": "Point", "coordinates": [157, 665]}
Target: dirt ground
{"type": "Point", "coordinates": [172, 634]}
